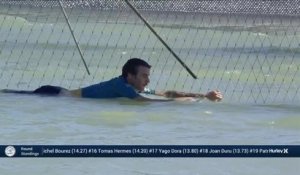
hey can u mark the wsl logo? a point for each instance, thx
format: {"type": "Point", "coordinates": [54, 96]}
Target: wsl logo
{"type": "Point", "coordinates": [10, 151]}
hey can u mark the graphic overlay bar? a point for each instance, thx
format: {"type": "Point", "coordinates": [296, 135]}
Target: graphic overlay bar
{"type": "Point", "coordinates": [150, 151]}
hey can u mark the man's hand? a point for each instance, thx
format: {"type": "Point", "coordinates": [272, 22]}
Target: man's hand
{"type": "Point", "coordinates": [215, 95]}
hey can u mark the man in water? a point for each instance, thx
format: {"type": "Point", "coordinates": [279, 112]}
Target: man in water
{"type": "Point", "coordinates": [132, 82]}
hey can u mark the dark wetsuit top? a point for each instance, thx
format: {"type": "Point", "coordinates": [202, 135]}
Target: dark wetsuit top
{"type": "Point", "coordinates": [114, 88]}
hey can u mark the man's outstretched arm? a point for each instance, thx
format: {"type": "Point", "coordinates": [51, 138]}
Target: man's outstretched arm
{"type": "Point", "coordinates": [215, 95]}
{"type": "Point", "coordinates": [179, 99]}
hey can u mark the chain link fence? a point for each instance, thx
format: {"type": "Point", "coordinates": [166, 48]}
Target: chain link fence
{"type": "Point", "coordinates": [249, 49]}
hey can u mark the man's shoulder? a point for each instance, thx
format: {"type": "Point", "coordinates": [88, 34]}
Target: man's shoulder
{"type": "Point", "coordinates": [123, 88]}
{"type": "Point", "coordinates": [119, 80]}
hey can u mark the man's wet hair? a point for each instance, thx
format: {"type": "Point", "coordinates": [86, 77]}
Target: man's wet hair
{"type": "Point", "coordinates": [132, 65]}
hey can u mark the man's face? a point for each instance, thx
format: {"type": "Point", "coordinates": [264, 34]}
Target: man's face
{"type": "Point", "coordinates": [141, 79]}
